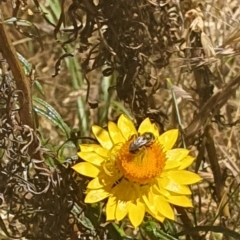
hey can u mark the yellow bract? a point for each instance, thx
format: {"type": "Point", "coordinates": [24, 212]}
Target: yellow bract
{"type": "Point", "coordinates": [151, 180]}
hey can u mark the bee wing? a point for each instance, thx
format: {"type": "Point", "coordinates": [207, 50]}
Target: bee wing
{"type": "Point", "coordinates": [139, 142]}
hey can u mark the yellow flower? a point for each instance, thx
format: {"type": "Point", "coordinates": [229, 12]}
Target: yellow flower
{"type": "Point", "coordinates": [138, 171]}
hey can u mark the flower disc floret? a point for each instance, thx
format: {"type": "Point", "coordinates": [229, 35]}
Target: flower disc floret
{"type": "Point", "coordinates": [142, 167]}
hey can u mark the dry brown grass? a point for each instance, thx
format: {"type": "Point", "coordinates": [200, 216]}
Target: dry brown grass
{"type": "Point", "coordinates": [205, 75]}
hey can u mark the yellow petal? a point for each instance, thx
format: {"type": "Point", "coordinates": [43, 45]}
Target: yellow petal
{"type": "Point", "coordinates": [115, 133]}
{"type": "Point", "coordinates": [175, 187]}
{"type": "Point", "coordinates": [168, 139]}
{"type": "Point", "coordinates": [91, 157]}
{"type": "Point", "coordinates": [159, 188]}
{"type": "Point", "coordinates": [145, 126]}
{"type": "Point", "coordinates": [155, 130]}
{"type": "Point", "coordinates": [177, 154]}
{"type": "Point", "coordinates": [101, 181]}
{"type": "Point", "coordinates": [86, 169]}
{"type": "Point", "coordinates": [103, 152]}
{"type": "Point", "coordinates": [96, 183]}
{"type": "Point", "coordinates": [179, 189]}
{"type": "Point", "coordinates": [88, 147]}
{"type": "Point", "coordinates": [163, 207]}
{"type": "Point", "coordinates": [126, 126]}
{"type": "Point", "coordinates": [102, 136]}
{"type": "Point", "coordinates": [124, 191]}
{"type": "Point", "coordinates": [111, 208]}
{"type": "Point", "coordinates": [121, 210]}
{"type": "Point", "coordinates": [156, 215]}
{"type": "Point", "coordinates": [151, 207]}
{"type": "Point", "coordinates": [183, 177]}
{"type": "Point", "coordinates": [174, 157]}
{"type": "Point", "coordinates": [96, 195]}
{"type": "Point", "coordinates": [186, 162]}
{"type": "Point", "coordinates": [182, 201]}
{"type": "Point", "coordinates": [94, 148]}
{"type": "Point", "coordinates": [136, 213]}
{"type": "Point", "coordinates": [171, 164]}
{"type": "Point", "coordinates": [148, 199]}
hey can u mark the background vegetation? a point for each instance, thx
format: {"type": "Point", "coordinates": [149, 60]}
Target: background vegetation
{"type": "Point", "coordinates": [79, 63]}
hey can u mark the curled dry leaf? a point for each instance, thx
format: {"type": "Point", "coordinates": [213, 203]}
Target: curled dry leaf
{"type": "Point", "coordinates": [197, 24]}
{"type": "Point", "coordinates": [207, 45]}
{"type": "Point", "coordinates": [193, 13]}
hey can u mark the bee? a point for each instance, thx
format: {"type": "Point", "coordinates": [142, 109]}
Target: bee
{"type": "Point", "coordinates": [146, 139]}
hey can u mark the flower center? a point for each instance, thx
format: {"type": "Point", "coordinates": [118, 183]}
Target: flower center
{"type": "Point", "coordinates": [141, 167]}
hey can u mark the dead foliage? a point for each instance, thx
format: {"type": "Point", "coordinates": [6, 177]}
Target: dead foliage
{"type": "Point", "coordinates": [142, 43]}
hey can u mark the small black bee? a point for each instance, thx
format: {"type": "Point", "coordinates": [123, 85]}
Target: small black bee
{"type": "Point", "coordinates": [146, 139]}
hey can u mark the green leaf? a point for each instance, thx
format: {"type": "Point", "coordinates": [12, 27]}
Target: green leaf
{"type": "Point", "coordinates": [27, 67]}
{"type": "Point", "coordinates": [154, 232]}
{"type": "Point", "coordinates": [46, 110]}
